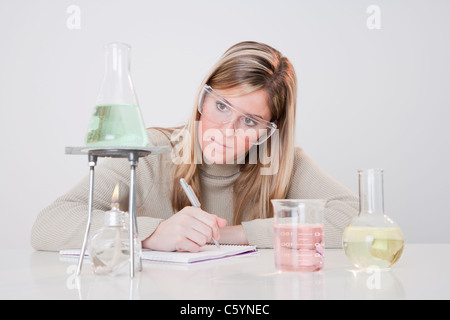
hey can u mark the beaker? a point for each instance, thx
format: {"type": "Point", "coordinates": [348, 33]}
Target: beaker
{"type": "Point", "coordinates": [117, 119]}
{"type": "Point", "coordinates": [298, 234]}
{"type": "Point", "coordinates": [372, 239]}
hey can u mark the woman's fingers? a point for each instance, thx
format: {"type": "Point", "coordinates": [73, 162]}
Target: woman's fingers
{"type": "Point", "coordinates": [202, 229]}
{"type": "Point", "coordinates": [196, 238]}
{"type": "Point", "coordinates": [188, 230]}
{"type": "Point", "coordinates": [221, 222]}
{"type": "Point", "coordinates": [208, 220]}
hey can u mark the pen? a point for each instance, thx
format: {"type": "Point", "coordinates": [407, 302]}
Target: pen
{"type": "Point", "coordinates": [193, 199]}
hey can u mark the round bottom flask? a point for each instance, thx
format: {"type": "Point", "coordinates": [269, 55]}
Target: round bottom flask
{"type": "Point", "coordinates": [372, 239]}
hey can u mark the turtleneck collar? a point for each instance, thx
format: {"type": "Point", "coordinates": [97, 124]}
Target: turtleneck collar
{"type": "Point", "coordinates": [220, 170]}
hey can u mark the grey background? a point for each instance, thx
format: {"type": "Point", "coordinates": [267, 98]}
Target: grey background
{"type": "Point", "coordinates": [367, 98]}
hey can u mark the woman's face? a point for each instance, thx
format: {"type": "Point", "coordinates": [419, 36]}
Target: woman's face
{"type": "Point", "coordinates": [219, 142]}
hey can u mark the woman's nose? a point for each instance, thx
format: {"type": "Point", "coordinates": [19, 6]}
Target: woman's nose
{"type": "Point", "coordinates": [229, 128]}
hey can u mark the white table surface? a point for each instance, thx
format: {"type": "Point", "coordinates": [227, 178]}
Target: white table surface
{"type": "Point", "coordinates": [422, 273]}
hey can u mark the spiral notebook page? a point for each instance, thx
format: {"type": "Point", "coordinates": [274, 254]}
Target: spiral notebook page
{"type": "Point", "coordinates": [206, 253]}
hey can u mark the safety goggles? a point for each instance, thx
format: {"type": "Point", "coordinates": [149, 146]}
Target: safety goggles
{"type": "Point", "coordinates": [219, 110]}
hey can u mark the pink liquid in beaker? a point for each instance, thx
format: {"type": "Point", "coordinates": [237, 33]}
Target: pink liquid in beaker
{"type": "Point", "coordinates": [299, 248]}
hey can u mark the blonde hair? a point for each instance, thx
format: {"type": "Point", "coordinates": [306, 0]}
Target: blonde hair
{"type": "Point", "coordinates": [249, 66]}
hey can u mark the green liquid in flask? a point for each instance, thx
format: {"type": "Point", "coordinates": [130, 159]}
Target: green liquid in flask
{"type": "Point", "coordinates": [117, 125]}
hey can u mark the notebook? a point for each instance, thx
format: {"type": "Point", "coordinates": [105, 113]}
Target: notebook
{"type": "Point", "coordinates": [206, 253]}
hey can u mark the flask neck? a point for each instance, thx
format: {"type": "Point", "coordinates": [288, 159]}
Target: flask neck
{"type": "Point", "coordinates": [117, 59]}
{"type": "Point", "coordinates": [117, 86]}
{"type": "Point", "coordinates": [114, 218]}
{"type": "Point", "coordinates": [371, 193]}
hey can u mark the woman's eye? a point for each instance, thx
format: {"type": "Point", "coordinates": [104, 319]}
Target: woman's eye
{"type": "Point", "coordinates": [249, 122]}
{"type": "Point", "coordinates": [221, 106]}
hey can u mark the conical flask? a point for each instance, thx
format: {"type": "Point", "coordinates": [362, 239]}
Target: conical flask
{"type": "Point", "coordinates": [117, 119]}
{"type": "Point", "coordinates": [372, 239]}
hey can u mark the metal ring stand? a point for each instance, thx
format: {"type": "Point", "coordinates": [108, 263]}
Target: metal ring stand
{"type": "Point", "coordinates": [132, 154]}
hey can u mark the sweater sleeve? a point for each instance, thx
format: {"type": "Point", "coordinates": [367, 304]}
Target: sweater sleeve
{"type": "Point", "coordinates": [309, 181]}
{"type": "Point", "coordinates": [62, 224]}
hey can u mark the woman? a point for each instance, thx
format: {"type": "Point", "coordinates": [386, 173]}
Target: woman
{"type": "Point", "coordinates": [237, 152]}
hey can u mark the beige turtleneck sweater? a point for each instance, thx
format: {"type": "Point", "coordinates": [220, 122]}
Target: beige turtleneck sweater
{"type": "Point", "coordinates": [61, 225]}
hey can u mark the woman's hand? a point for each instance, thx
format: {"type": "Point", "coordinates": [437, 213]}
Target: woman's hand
{"type": "Point", "coordinates": [188, 230]}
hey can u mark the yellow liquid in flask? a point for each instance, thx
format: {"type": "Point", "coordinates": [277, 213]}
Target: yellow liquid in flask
{"type": "Point", "coordinates": [369, 246]}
